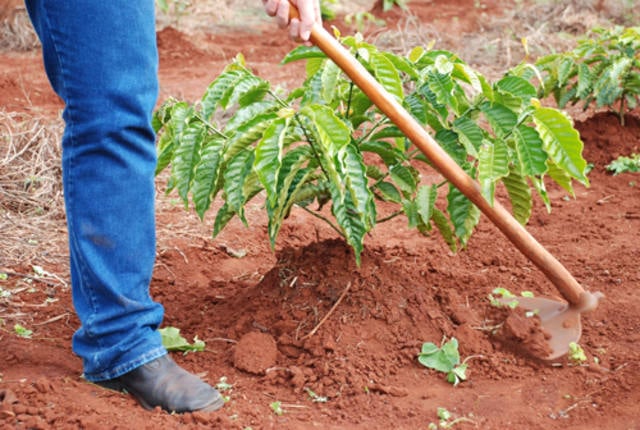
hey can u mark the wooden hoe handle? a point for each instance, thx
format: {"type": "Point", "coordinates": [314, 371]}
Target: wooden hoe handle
{"type": "Point", "coordinates": [570, 289]}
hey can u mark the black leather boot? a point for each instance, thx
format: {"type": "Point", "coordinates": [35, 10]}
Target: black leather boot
{"type": "Point", "coordinates": [163, 383]}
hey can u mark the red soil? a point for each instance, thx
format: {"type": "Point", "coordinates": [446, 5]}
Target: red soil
{"type": "Point", "coordinates": [408, 290]}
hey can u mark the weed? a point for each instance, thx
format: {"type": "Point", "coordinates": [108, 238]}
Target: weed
{"type": "Point", "coordinates": [22, 331]}
{"type": "Point", "coordinates": [445, 420]}
{"type": "Point", "coordinates": [316, 398]}
{"type": "Point", "coordinates": [224, 388]}
{"type": "Point", "coordinates": [173, 341]}
{"type": "Point", "coordinates": [506, 298]}
{"type": "Point", "coordinates": [576, 354]}
{"type": "Point", "coordinates": [445, 359]}
{"type": "Point", "coordinates": [276, 407]}
{"type": "Point", "coordinates": [387, 5]}
{"type": "Point", "coordinates": [624, 164]}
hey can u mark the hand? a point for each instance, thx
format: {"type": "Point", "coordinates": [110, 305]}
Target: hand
{"type": "Point", "coordinates": [299, 28]}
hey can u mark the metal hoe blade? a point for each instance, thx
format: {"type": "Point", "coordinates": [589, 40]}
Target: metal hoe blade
{"type": "Point", "coordinates": [559, 321]}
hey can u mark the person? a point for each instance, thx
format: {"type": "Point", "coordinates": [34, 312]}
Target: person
{"type": "Point", "coordinates": [101, 58]}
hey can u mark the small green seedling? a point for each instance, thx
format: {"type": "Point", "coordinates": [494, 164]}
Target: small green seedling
{"type": "Point", "coordinates": [316, 398]}
{"type": "Point", "coordinates": [3, 276]}
{"type": "Point", "coordinates": [173, 341]}
{"type": "Point", "coordinates": [624, 164]}
{"type": "Point", "coordinates": [387, 5]}
{"type": "Point", "coordinates": [445, 421]}
{"type": "Point", "coordinates": [445, 359]}
{"type": "Point", "coordinates": [576, 354]}
{"type": "Point", "coordinates": [224, 388]}
{"type": "Point", "coordinates": [22, 331]}
{"type": "Point", "coordinates": [276, 407]}
{"type": "Point", "coordinates": [503, 294]}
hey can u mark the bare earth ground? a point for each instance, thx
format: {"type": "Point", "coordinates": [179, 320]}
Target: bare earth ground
{"type": "Point", "coordinates": [257, 309]}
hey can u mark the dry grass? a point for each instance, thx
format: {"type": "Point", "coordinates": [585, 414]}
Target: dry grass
{"type": "Point", "coordinates": [31, 202]}
{"type": "Point", "coordinates": [16, 31]}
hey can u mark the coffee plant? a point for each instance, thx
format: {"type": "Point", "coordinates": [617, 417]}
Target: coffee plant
{"type": "Point", "coordinates": [326, 143]}
{"type": "Point", "coordinates": [603, 69]}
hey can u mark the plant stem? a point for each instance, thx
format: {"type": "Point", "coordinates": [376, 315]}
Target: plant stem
{"type": "Point", "coordinates": [211, 126]}
{"type": "Point", "coordinates": [388, 217]}
{"type": "Point", "coordinates": [325, 219]}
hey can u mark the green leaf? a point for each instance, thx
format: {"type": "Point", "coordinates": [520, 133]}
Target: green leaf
{"type": "Point", "coordinates": [329, 79]}
{"type": "Point", "coordinates": [356, 182]}
{"type": "Point", "coordinates": [291, 190]}
{"type": "Point", "coordinates": [246, 114]}
{"type": "Point", "coordinates": [387, 75]}
{"type": "Point", "coordinates": [186, 157]}
{"type": "Point", "coordinates": [469, 134]}
{"type": "Point", "coordinates": [517, 87]}
{"type": "Point", "coordinates": [247, 134]}
{"type": "Point", "coordinates": [566, 69]}
{"type": "Point", "coordinates": [388, 192]}
{"type": "Point", "coordinates": [220, 90]}
{"type": "Point", "coordinates": [540, 187]}
{"type": "Point", "coordinates": [501, 118]}
{"type": "Point", "coordinates": [237, 170]}
{"type": "Point", "coordinates": [173, 341]}
{"type": "Point", "coordinates": [348, 218]}
{"type": "Point", "coordinates": [463, 213]}
{"type": "Point", "coordinates": [205, 182]}
{"type": "Point", "coordinates": [444, 227]}
{"type": "Point", "coordinates": [560, 176]}
{"type": "Point", "coordinates": [448, 140]}
{"type": "Point", "coordinates": [403, 178]}
{"type": "Point", "coordinates": [331, 132]}
{"type": "Point", "coordinates": [585, 81]}
{"type": "Point", "coordinates": [442, 86]}
{"type": "Point", "coordinates": [561, 141]}
{"type": "Point", "coordinates": [442, 359]}
{"type": "Point", "coordinates": [457, 374]}
{"type": "Point", "coordinates": [493, 160]}
{"type": "Point", "coordinates": [467, 74]}
{"type": "Point", "coordinates": [520, 196]}
{"type": "Point", "coordinates": [22, 331]}
{"type": "Point", "coordinates": [389, 154]}
{"type": "Point", "coordinates": [246, 90]}
{"type": "Point", "coordinates": [529, 149]}
{"type": "Point", "coordinates": [177, 118]}
{"type": "Point", "coordinates": [425, 202]}
{"type": "Point", "coordinates": [303, 53]}
{"type": "Point", "coordinates": [608, 88]}
{"type": "Point", "coordinates": [268, 157]}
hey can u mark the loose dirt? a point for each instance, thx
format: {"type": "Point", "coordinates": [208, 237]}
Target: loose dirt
{"type": "Point", "coordinates": [262, 312]}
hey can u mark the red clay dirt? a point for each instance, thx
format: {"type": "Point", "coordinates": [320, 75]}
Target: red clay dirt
{"type": "Point", "coordinates": [358, 369]}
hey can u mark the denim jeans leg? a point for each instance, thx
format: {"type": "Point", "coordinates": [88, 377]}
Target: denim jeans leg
{"type": "Point", "coordinates": [101, 58]}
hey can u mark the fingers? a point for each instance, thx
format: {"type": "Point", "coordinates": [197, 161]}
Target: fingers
{"type": "Point", "coordinates": [294, 31]}
{"type": "Point", "coordinates": [270, 6]}
{"type": "Point", "coordinates": [282, 13]}
{"type": "Point", "coordinates": [299, 28]}
{"type": "Point", "coordinates": [307, 18]}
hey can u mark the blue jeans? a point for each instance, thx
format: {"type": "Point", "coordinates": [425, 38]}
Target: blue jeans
{"type": "Point", "coordinates": [101, 58]}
